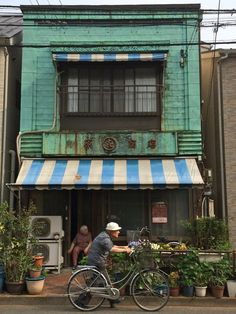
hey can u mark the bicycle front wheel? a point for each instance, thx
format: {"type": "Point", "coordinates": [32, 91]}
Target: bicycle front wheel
{"type": "Point", "coordinates": [84, 287]}
{"type": "Point", "coordinates": [150, 290]}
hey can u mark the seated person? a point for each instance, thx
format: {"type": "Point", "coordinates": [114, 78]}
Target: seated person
{"type": "Point", "coordinates": [81, 243]}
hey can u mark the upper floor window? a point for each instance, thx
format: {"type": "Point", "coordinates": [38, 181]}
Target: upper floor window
{"type": "Point", "coordinates": [111, 88]}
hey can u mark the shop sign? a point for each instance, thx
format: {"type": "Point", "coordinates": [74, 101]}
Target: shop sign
{"type": "Point", "coordinates": [159, 213]}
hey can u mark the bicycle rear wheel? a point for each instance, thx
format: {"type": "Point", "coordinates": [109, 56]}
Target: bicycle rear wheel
{"type": "Point", "coordinates": [150, 290]}
{"type": "Point", "coordinates": [81, 289]}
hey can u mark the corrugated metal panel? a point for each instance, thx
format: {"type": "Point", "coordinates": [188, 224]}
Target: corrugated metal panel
{"type": "Point", "coordinates": [10, 25]}
{"type": "Point", "coordinates": [190, 143]}
{"type": "Point", "coordinates": [31, 145]}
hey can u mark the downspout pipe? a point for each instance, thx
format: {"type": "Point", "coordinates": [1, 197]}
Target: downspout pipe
{"type": "Point", "coordinates": [12, 178]}
{"type": "Point", "coordinates": [4, 119]}
{"type": "Point", "coordinates": [221, 134]}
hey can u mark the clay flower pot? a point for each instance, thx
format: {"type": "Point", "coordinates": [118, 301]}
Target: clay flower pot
{"type": "Point", "coordinates": [34, 273]}
{"type": "Point", "coordinates": [174, 291]}
{"type": "Point", "coordinates": [38, 260]}
{"type": "Point", "coordinates": [217, 291]}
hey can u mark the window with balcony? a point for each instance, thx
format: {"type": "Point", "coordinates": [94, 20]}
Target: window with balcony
{"type": "Point", "coordinates": [110, 89]}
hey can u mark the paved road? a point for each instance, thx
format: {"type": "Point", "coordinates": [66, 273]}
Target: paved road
{"type": "Point", "coordinates": [53, 309]}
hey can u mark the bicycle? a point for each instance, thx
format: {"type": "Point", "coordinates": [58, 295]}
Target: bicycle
{"type": "Point", "coordinates": [88, 287]}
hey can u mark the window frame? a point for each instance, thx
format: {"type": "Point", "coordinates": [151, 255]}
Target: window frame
{"type": "Point", "coordinates": [63, 68]}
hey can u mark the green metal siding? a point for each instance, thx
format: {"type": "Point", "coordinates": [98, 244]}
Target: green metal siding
{"type": "Point", "coordinates": [31, 145]}
{"type": "Point", "coordinates": [181, 102]}
{"type": "Point", "coordinates": [189, 143]}
{"type": "Point", "coordinates": [71, 144]}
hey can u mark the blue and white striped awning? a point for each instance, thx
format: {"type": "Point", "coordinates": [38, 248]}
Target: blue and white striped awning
{"type": "Point", "coordinates": [103, 57]}
{"type": "Point", "coordinates": [114, 174]}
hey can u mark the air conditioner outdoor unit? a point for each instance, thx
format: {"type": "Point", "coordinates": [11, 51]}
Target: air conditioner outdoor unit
{"type": "Point", "coordinates": [47, 227]}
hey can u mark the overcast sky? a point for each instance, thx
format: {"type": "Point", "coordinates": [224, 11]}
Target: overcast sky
{"type": "Point", "coordinates": [225, 32]}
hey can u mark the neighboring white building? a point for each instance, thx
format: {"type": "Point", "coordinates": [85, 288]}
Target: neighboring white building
{"type": "Point", "coordinates": [10, 73]}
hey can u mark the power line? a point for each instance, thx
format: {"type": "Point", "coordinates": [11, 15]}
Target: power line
{"type": "Point", "coordinates": [81, 45]}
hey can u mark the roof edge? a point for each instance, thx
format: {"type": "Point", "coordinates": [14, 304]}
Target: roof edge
{"type": "Point", "coordinates": [143, 7]}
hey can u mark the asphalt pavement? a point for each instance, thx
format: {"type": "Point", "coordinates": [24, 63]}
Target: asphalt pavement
{"type": "Point", "coordinates": [54, 293]}
{"type": "Point", "coordinates": [121, 309]}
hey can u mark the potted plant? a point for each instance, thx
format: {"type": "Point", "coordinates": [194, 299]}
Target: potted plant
{"type": "Point", "coordinates": [187, 265]}
{"type": "Point", "coordinates": [208, 233]}
{"type": "Point", "coordinates": [220, 272]}
{"type": "Point", "coordinates": [35, 285]}
{"type": "Point", "coordinates": [15, 252]}
{"type": "Point", "coordinates": [35, 271]}
{"type": "Point", "coordinates": [231, 287]}
{"type": "Point", "coordinates": [202, 276]}
{"type": "Point", "coordinates": [38, 260]}
{"type": "Point", "coordinates": [173, 279]}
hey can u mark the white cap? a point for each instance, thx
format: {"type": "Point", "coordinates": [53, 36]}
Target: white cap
{"type": "Point", "coordinates": [113, 226]}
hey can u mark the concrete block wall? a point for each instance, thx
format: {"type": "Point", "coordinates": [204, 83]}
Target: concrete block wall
{"type": "Point", "coordinates": [229, 120]}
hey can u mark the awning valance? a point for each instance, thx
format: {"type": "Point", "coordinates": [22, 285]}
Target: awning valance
{"type": "Point", "coordinates": [114, 174]}
{"type": "Point", "coordinates": [103, 57]}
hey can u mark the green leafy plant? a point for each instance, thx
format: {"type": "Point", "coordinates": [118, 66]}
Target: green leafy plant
{"type": "Point", "coordinates": [220, 272]}
{"type": "Point", "coordinates": [118, 265]}
{"type": "Point", "coordinates": [35, 268]}
{"type": "Point", "coordinates": [208, 233]}
{"type": "Point", "coordinates": [203, 274]}
{"type": "Point", "coordinates": [174, 278]}
{"type": "Point", "coordinates": [187, 265]}
{"type": "Point", "coordinates": [15, 236]}
{"type": "Point", "coordinates": [84, 260]}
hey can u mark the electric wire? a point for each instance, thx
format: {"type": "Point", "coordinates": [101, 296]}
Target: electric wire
{"type": "Point", "coordinates": [210, 89]}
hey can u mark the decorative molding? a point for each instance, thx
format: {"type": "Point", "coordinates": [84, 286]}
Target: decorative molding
{"type": "Point", "coordinates": [104, 49]}
{"type": "Point", "coordinates": [132, 143]}
{"type": "Point", "coordinates": [152, 144]}
{"type": "Point", "coordinates": [109, 144]}
{"type": "Point", "coordinates": [88, 144]}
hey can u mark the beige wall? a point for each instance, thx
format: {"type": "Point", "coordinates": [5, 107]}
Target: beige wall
{"type": "Point", "coordinates": [220, 98]}
{"type": "Point", "coordinates": [229, 120]}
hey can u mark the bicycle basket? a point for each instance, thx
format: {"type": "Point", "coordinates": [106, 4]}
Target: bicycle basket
{"type": "Point", "coordinates": [146, 258]}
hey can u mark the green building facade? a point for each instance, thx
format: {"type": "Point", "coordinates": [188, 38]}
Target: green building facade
{"type": "Point", "coordinates": [112, 82]}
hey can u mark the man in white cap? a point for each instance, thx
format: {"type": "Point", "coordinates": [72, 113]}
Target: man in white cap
{"type": "Point", "coordinates": [102, 245]}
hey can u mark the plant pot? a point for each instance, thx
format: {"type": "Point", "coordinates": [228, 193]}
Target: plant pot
{"type": "Point", "coordinates": [15, 287]}
{"type": "Point", "coordinates": [38, 260]}
{"type": "Point", "coordinates": [187, 291]}
{"type": "Point", "coordinates": [35, 273]}
{"type": "Point", "coordinates": [174, 291]}
{"type": "Point", "coordinates": [35, 285]}
{"type": "Point", "coordinates": [231, 287]}
{"type": "Point", "coordinates": [217, 291]}
{"type": "Point", "coordinates": [200, 291]}
{"type": "Point", "coordinates": [2, 279]}
{"type": "Point", "coordinates": [210, 257]}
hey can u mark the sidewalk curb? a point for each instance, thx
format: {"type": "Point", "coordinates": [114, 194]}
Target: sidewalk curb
{"type": "Point", "coordinates": [57, 299]}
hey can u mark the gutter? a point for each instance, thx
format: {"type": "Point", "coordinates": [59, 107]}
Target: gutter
{"type": "Point", "coordinates": [221, 134]}
{"type": "Point", "coordinates": [4, 122]}
{"type": "Point", "coordinates": [12, 153]}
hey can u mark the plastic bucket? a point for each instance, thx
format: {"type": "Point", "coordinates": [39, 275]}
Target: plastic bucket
{"type": "Point", "coordinates": [2, 278]}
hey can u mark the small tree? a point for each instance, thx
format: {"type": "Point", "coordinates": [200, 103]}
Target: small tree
{"type": "Point", "coordinates": [15, 237]}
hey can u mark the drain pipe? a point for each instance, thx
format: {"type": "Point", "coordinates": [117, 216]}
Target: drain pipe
{"type": "Point", "coordinates": [12, 178]}
{"type": "Point", "coordinates": [4, 122]}
{"type": "Point", "coordinates": [221, 134]}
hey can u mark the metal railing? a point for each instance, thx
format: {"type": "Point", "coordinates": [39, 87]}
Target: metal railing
{"type": "Point", "coordinates": [111, 99]}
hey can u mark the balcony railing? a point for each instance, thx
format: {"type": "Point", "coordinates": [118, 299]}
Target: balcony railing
{"type": "Point", "coordinates": [128, 99]}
